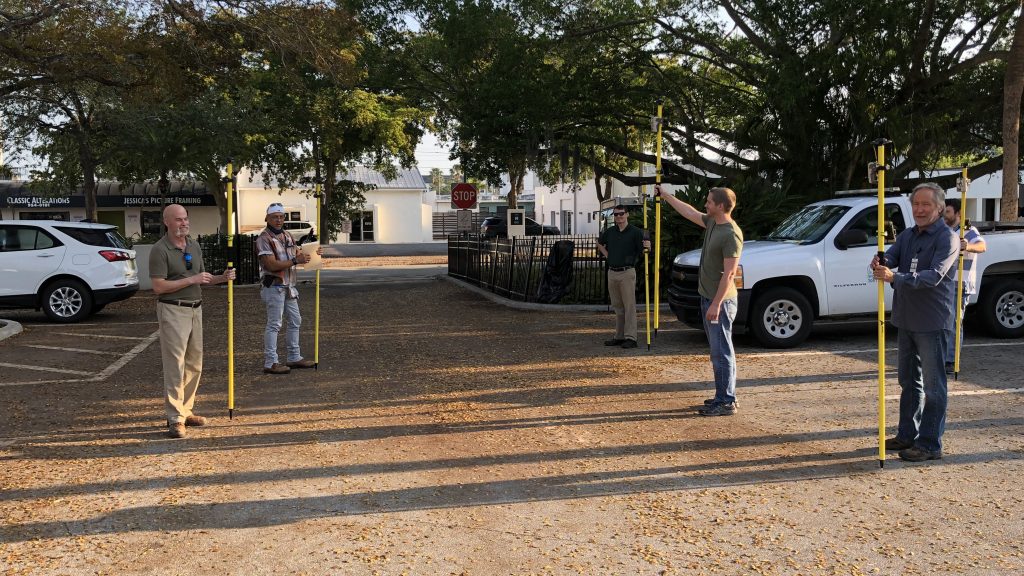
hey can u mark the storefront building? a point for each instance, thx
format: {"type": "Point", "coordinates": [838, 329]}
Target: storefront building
{"type": "Point", "coordinates": [134, 210]}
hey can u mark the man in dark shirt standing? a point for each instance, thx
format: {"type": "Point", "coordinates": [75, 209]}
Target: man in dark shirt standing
{"type": "Point", "coordinates": [178, 274]}
{"type": "Point", "coordinates": [924, 287]}
{"type": "Point", "coordinates": [621, 244]}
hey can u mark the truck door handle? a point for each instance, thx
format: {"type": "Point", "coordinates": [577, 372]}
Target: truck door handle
{"type": "Point", "coordinates": [44, 256]}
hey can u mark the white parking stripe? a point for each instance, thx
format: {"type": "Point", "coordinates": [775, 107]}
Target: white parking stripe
{"type": "Point", "coordinates": [970, 393]}
{"type": "Point", "coordinates": [102, 336]}
{"type": "Point", "coordinates": [33, 382]}
{"type": "Point", "coordinates": [864, 351]}
{"type": "Point", "coordinates": [103, 375]}
{"type": "Point", "coordinates": [45, 369]}
{"type": "Point", "coordinates": [127, 357]}
{"type": "Point", "coordinates": [83, 351]}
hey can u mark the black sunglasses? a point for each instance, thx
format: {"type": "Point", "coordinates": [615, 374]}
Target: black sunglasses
{"type": "Point", "coordinates": [618, 213]}
{"type": "Point", "coordinates": [188, 261]}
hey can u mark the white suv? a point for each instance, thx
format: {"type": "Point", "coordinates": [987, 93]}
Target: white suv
{"type": "Point", "coordinates": [69, 270]}
{"type": "Point", "coordinates": [300, 231]}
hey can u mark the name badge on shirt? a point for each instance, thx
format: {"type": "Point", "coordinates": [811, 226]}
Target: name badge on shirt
{"type": "Point", "coordinates": [913, 265]}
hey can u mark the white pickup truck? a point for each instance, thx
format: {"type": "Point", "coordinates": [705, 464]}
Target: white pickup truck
{"type": "Point", "coordinates": [815, 265]}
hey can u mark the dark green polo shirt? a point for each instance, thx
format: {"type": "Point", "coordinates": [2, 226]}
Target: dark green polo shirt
{"type": "Point", "coordinates": [624, 246]}
{"type": "Point", "coordinates": [167, 261]}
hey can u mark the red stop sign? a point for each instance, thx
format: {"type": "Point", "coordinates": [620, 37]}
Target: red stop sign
{"type": "Point", "coordinates": [464, 195]}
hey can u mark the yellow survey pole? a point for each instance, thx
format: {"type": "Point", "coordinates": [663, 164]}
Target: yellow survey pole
{"type": "Point", "coordinates": [962, 185]}
{"type": "Point", "coordinates": [879, 171]}
{"type": "Point", "coordinates": [647, 259]}
{"type": "Point", "coordinates": [657, 227]}
{"type": "Point", "coordinates": [231, 292]}
{"type": "Point", "coordinates": [320, 241]}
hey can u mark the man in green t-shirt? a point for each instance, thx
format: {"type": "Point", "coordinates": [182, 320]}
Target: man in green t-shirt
{"type": "Point", "coordinates": [719, 260]}
{"type": "Point", "coordinates": [178, 274]}
{"type": "Point", "coordinates": [621, 244]}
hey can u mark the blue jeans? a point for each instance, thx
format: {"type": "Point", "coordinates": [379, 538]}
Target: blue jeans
{"type": "Point", "coordinates": [278, 307]}
{"type": "Point", "coordinates": [922, 377]}
{"type": "Point", "coordinates": [723, 357]}
{"type": "Point", "coordinates": [950, 331]}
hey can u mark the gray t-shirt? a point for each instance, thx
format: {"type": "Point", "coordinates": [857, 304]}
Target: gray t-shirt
{"type": "Point", "coordinates": [721, 241]}
{"type": "Point", "coordinates": [167, 261]}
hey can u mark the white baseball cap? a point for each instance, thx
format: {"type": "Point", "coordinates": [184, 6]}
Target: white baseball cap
{"type": "Point", "coordinates": [275, 208]}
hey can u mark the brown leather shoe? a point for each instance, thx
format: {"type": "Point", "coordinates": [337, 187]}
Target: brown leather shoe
{"type": "Point", "coordinates": [176, 429]}
{"type": "Point", "coordinates": [304, 363]}
{"type": "Point", "coordinates": [194, 420]}
{"type": "Point", "coordinates": [277, 369]}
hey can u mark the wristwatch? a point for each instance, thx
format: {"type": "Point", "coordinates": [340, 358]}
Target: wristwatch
{"type": "Point", "coordinates": [295, 262]}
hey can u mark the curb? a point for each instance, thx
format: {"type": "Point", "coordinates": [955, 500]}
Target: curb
{"type": "Point", "coordinates": [9, 328]}
{"type": "Point", "coordinates": [517, 305]}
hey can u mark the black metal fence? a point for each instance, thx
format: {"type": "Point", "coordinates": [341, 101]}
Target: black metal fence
{"type": "Point", "coordinates": [513, 268]}
{"type": "Point", "coordinates": [215, 256]}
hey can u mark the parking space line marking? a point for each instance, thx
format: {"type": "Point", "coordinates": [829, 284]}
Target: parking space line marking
{"type": "Point", "coordinates": [102, 336]}
{"type": "Point", "coordinates": [87, 324]}
{"type": "Point", "coordinates": [103, 375]}
{"type": "Point", "coordinates": [128, 357]}
{"type": "Point", "coordinates": [104, 352]}
{"type": "Point", "coordinates": [896, 397]}
{"type": "Point", "coordinates": [33, 382]}
{"type": "Point", "coordinates": [45, 369]}
{"type": "Point", "coordinates": [864, 351]}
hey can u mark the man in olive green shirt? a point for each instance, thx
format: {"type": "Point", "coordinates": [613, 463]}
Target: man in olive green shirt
{"type": "Point", "coordinates": [178, 274]}
{"type": "Point", "coordinates": [719, 260]}
{"type": "Point", "coordinates": [622, 244]}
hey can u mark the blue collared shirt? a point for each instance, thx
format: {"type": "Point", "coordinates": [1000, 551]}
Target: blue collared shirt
{"type": "Point", "coordinates": [925, 289]}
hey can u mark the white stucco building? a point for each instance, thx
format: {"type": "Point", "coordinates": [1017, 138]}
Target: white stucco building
{"type": "Point", "coordinates": [396, 211]}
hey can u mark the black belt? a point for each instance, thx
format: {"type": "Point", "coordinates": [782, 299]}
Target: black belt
{"type": "Point", "coordinates": [184, 303]}
{"type": "Point", "coordinates": [623, 269]}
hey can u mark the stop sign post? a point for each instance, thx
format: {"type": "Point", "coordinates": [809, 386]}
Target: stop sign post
{"type": "Point", "coordinates": [463, 196]}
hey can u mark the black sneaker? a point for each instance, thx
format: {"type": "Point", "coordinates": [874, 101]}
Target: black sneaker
{"type": "Point", "coordinates": [916, 454]}
{"type": "Point", "coordinates": [711, 401]}
{"type": "Point", "coordinates": [614, 342]}
{"type": "Point", "coordinates": [894, 444]}
{"type": "Point", "coordinates": [725, 409]}
{"type": "Point", "coordinates": [629, 343]}
{"type": "Point", "coordinates": [949, 367]}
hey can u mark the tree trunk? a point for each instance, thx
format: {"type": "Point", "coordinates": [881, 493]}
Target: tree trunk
{"type": "Point", "coordinates": [516, 176]}
{"type": "Point", "coordinates": [88, 165]}
{"type": "Point", "coordinates": [1013, 84]}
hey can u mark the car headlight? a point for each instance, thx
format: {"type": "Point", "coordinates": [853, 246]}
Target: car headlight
{"type": "Point", "coordinates": [737, 279]}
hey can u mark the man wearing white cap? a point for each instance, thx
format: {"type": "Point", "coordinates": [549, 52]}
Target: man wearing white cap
{"type": "Point", "coordinates": [279, 256]}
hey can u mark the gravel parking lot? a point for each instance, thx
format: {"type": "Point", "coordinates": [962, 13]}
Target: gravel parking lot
{"type": "Point", "coordinates": [445, 434]}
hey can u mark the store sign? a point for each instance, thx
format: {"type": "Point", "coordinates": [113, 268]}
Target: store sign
{"type": "Point", "coordinates": [104, 201]}
{"type": "Point", "coordinates": [148, 201]}
{"type": "Point", "coordinates": [42, 202]}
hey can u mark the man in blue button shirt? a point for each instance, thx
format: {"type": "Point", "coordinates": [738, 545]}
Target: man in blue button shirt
{"type": "Point", "coordinates": [924, 286]}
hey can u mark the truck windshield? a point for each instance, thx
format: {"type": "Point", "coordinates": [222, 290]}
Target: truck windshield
{"type": "Point", "coordinates": [809, 225]}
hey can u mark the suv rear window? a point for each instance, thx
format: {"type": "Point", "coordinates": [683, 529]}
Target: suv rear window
{"type": "Point", "coordinates": [108, 238]}
{"type": "Point", "coordinates": [14, 238]}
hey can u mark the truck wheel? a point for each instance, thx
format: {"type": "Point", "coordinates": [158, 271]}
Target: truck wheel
{"type": "Point", "coordinates": [1002, 309]}
{"type": "Point", "coordinates": [781, 318]}
{"type": "Point", "coordinates": [66, 301]}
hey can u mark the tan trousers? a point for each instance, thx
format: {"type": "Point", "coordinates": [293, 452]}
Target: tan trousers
{"type": "Point", "coordinates": [622, 290]}
{"type": "Point", "coordinates": [181, 349]}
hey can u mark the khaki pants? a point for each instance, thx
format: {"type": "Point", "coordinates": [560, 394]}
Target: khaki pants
{"type": "Point", "coordinates": [622, 290]}
{"type": "Point", "coordinates": [181, 349]}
